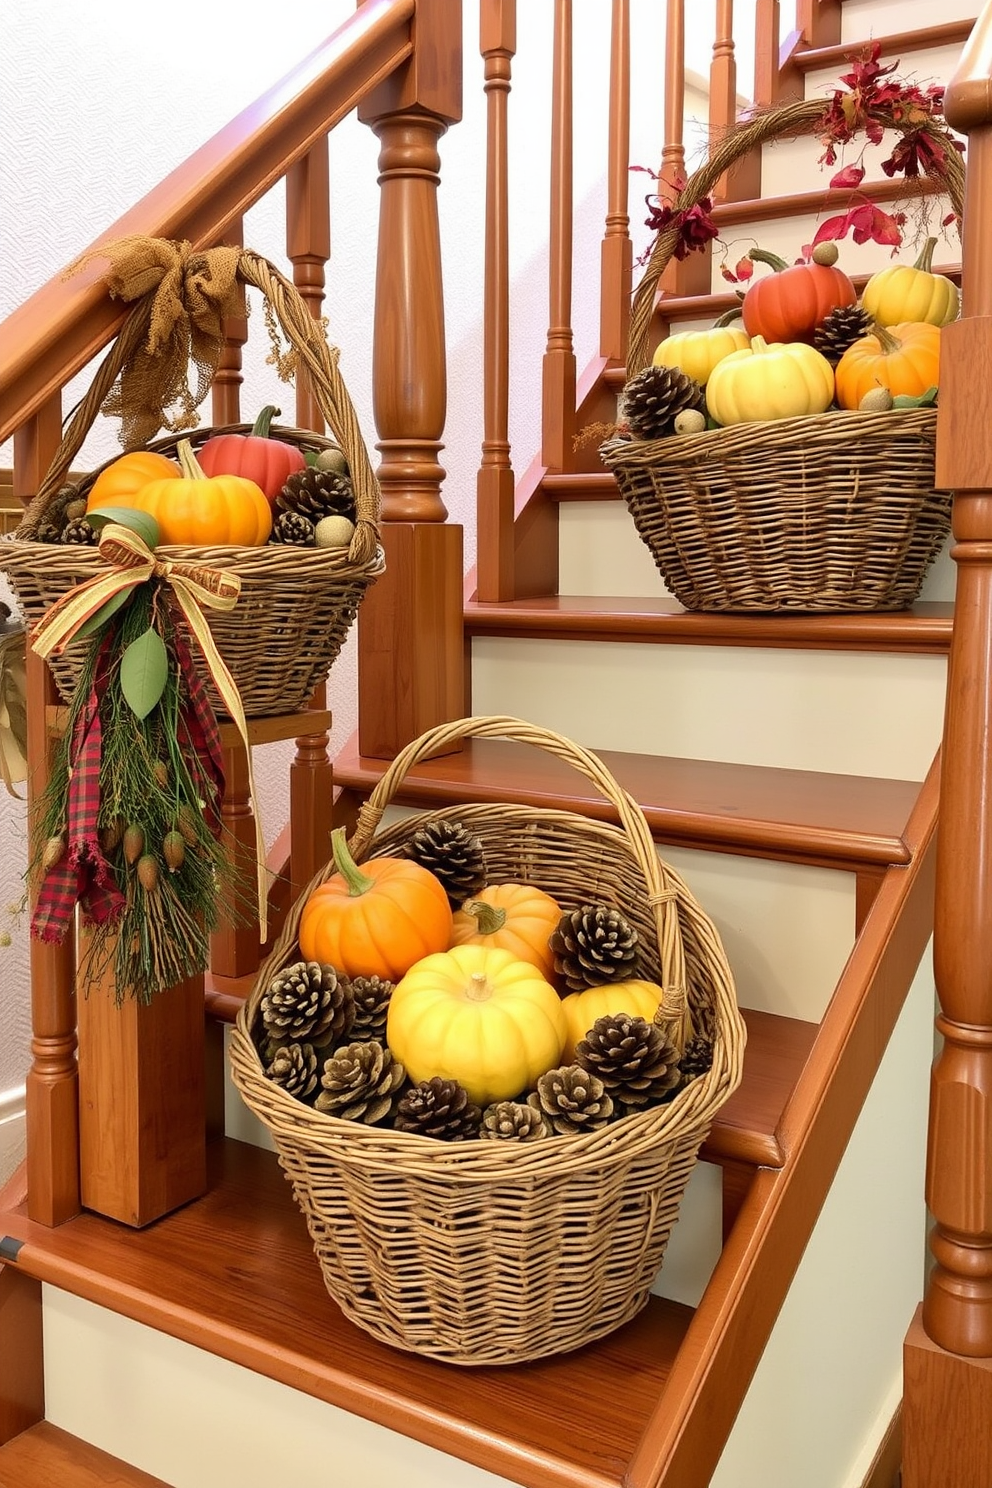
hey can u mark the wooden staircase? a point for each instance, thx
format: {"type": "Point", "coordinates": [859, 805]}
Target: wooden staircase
{"type": "Point", "coordinates": [232, 1277]}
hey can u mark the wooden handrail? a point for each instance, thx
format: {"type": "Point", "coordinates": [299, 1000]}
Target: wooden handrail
{"type": "Point", "coordinates": [53, 335]}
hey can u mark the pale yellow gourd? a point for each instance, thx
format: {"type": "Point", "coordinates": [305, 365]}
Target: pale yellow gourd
{"type": "Point", "coordinates": [770, 381]}
{"type": "Point", "coordinates": [911, 292]}
{"type": "Point", "coordinates": [696, 353]}
{"type": "Point", "coordinates": [638, 998]}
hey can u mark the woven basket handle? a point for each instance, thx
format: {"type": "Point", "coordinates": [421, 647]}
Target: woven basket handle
{"type": "Point", "coordinates": [307, 340]}
{"type": "Point", "coordinates": [662, 892]}
{"type": "Point", "coordinates": [786, 122]}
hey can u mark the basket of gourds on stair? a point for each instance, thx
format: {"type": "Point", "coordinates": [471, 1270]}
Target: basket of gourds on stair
{"type": "Point", "coordinates": [487, 1047]}
{"type": "Point", "coordinates": [755, 468]}
{"type": "Point", "coordinates": [298, 589]}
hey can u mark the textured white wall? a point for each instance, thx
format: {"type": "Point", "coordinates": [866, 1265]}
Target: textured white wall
{"type": "Point", "coordinates": [100, 104]}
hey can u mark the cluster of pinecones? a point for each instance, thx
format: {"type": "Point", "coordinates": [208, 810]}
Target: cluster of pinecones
{"type": "Point", "coordinates": [65, 521]}
{"type": "Point", "coordinates": [321, 1036]}
{"type": "Point", "coordinates": [307, 497]}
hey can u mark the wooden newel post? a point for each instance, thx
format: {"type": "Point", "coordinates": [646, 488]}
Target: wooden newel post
{"type": "Point", "coordinates": [410, 641]}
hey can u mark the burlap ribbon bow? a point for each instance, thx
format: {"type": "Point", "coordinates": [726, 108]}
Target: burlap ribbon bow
{"type": "Point", "coordinates": [190, 294]}
{"type": "Point", "coordinates": [193, 585]}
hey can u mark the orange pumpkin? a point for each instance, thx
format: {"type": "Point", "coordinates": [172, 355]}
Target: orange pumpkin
{"type": "Point", "coordinates": [513, 917]}
{"type": "Point", "coordinates": [790, 303]}
{"type": "Point", "coordinates": [118, 483]}
{"type": "Point", "coordinates": [376, 920]}
{"type": "Point", "coordinates": [903, 358]}
{"type": "Point", "coordinates": [206, 510]}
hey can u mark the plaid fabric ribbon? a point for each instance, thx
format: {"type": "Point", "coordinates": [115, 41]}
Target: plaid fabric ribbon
{"type": "Point", "coordinates": [82, 875]}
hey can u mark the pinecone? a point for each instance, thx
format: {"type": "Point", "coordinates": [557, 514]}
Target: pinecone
{"type": "Point", "coordinates": [308, 1001]}
{"type": "Point", "coordinates": [316, 493]}
{"type": "Point", "coordinates": [572, 1099]}
{"type": "Point", "coordinates": [637, 1064]}
{"type": "Point", "coordinates": [78, 531]}
{"type": "Point", "coordinates": [293, 529]}
{"type": "Point", "coordinates": [49, 533]}
{"type": "Point", "coordinates": [294, 1067]}
{"type": "Point", "coordinates": [697, 1058]}
{"type": "Point", "coordinates": [654, 397]}
{"type": "Point", "coordinates": [839, 330]}
{"type": "Point", "coordinates": [371, 996]}
{"type": "Point", "coordinates": [360, 1083]}
{"type": "Point", "coordinates": [594, 945]}
{"type": "Point", "coordinates": [438, 1108]}
{"type": "Point", "coordinates": [453, 854]}
{"type": "Point", "coordinates": [514, 1121]}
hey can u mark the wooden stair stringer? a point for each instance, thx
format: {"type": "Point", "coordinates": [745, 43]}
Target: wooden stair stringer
{"type": "Point", "coordinates": [731, 1327]}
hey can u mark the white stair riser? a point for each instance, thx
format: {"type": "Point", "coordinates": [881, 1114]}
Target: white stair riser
{"type": "Point", "coordinates": [853, 714]}
{"type": "Point", "coordinates": [601, 554]}
{"type": "Point", "coordinates": [863, 18]}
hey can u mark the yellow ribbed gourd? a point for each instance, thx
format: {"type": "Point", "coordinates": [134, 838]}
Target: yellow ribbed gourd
{"type": "Point", "coordinates": [911, 292]}
{"type": "Point", "coordinates": [696, 353]}
{"type": "Point", "coordinates": [774, 380]}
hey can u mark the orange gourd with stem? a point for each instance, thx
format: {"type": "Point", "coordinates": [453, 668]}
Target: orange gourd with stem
{"type": "Point", "coordinates": [902, 358]}
{"type": "Point", "coordinates": [514, 917]}
{"type": "Point", "coordinates": [118, 483]}
{"type": "Point", "coordinates": [206, 511]}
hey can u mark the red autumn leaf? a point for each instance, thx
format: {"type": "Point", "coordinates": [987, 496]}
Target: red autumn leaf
{"type": "Point", "coordinates": [744, 268]}
{"type": "Point", "coordinates": [850, 176]}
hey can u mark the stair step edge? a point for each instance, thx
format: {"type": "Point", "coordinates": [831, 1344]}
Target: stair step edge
{"type": "Point", "coordinates": [922, 39]}
{"type": "Point", "coordinates": [45, 1454]}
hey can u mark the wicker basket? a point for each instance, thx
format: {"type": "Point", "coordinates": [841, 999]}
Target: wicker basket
{"type": "Point", "coordinates": [492, 1252]}
{"type": "Point", "coordinates": [296, 604]}
{"type": "Point", "coordinates": [835, 512]}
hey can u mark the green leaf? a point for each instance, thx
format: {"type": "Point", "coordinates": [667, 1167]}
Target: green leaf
{"type": "Point", "coordinates": [922, 400]}
{"type": "Point", "coordinates": [144, 672]}
{"type": "Point", "coordinates": [143, 523]}
{"type": "Point", "coordinates": [103, 614]}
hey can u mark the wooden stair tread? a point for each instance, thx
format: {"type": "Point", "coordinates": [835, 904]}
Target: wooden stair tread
{"type": "Point", "coordinates": [800, 815]}
{"type": "Point", "coordinates": [947, 34]}
{"type": "Point", "coordinates": [45, 1456]}
{"type": "Point", "coordinates": [234, 1272]}
{"type": "Point", "coordinates": [924, 628]}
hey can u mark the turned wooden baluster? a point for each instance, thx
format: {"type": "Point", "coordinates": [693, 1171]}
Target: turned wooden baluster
{"type": "Point", "coordinates": [558, 400]}
{"type": "Point", "coordinates": [690, 275]}
{"type": "Point", "coordinates": [948, 1398]}
{"type": "Point", "coordinates": [225, 390]}
{"type": "Point", "coordinates": [617, 254]}
{"type": "Point", "coordinates": [743, 180]}
{"type": "Point", "coordinates": [52, 1081]}
{"type": "Point", "coordinates": [410, 633]}
{"type": "Point", "coordinates": [308, 244]}
{"type": "Point", "coordinates": [494, 484]}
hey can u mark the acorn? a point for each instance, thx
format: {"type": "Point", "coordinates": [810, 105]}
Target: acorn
{"type": "Point", "coordinates": [333, 532]}
{"type": "Point", "coordinates": [173, 850]}
{"type": "Point", "coordinates": [134, 844]}
{"type": "Point", "coordinates": [690, 421]}
{"type": "Point", "coordinates": [110, 836]}
{"type": "Point", "coordinates": [148, 872]}
{"type": "Point", "coordinates": [186, 824]}
{"type": "Point", "coordinates": [54, 852]}
{"type": "Point", "coordinates": [75, 509]}
{"type": "Point", "coordinates": [878, 400]}
{"type": "Point", "coordinates": [160, 771]}
{"type": "Point", "coordinates": [332, 458]}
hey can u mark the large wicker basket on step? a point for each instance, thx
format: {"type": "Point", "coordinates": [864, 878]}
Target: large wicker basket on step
{"type": "Point", "coordinates": [296, 605]}
{"type": "Point", "coordinates": [496, 1252]}
{"type": "Point", "coordinates": [835, 512]}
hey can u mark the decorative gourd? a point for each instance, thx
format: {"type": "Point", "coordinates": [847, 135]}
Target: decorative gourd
{"type": "Point", "coordinates": [376, 920]}
{"type": "Point", "coordinates": [119, 482]}
{"type": "Point", "coordinates": [696, 353]}
{"type": "Point", "coordinates": [477, 1015]}
{"type": "Point", "coordinates": [903, 358]}
{"type": "Point", "coordinates": [267, 461]}
{"type": "Point", "coordinates": [515, 917]}
{"type": "Point", "coordinates": [206, 510]}
{"type": "Point", "coordinates": [770, 382]}
{"type": "Point", "coordinates": [638, 998]}
{"type": "Point", "coordinates": [789, 304]}
{"type": "Point", "coordinates": [908, 292]}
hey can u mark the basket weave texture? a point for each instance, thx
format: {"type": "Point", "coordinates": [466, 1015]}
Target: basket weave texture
{"type": "Point", "coordinates": [835, 512]}
{"type": "Point", "coordinates": [296, 605]}
{"type": "Point", "coordinates": [497, 1252]}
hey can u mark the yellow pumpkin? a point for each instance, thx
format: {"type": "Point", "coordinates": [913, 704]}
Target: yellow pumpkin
{"type": "Point", "coordinates": [696, 353]}
{"type": "Point", "coordinates": [638, 998]}
{"type": "Point", "coordinates": [774, 380]}
{"type": "Point", "coordinates": [911, 292]}
{"type": "Point", "coordinates": [206, 511]}
{"type": "Point", "coordinates": [902, 358]}
{"type": "Point", "coordinates": [118, 483]}
{"type": "Point", "coordinates": [478, 1016]}
{"type": "Point", "coordinates": [515, 917]}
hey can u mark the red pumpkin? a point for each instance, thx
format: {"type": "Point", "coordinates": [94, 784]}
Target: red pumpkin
{"type": "Point", "coordinates": [256, 456]}
{"type": "Point", "coordinates": [789, 304]}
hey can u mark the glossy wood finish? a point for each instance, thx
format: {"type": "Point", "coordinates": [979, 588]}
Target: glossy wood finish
{"type": "Point", "coordinates": [311, 793]}
{"type": "Point", "coordinates": [142, 1101]}
{"type": "Point", "coordinates": [691, 274]}
{"type": "Point", "coordinates": [494, 484]}
{"type": "Point", "coordinates": [559, 371]}
{"type": "Point", "coordinates": [225, 391]}
{"type": "Point", "coordinates": [308, 246]}
{"type": "Point", "coordinates": [841, 821]}
{"type": "Point", "coordinates": [47, 1457]}
{"type": "Point", "coordinates": [946, 1413]}
{"type": "Point", "coordinates": [617, 258]}
{"type": "Point", "coordinates": [957, 1307]}
{"type": "Point", "coordinates": [234, 945]}
{"type": "Point", "coordinates": [893, 44]}
{"type": "Point", "coordinates": [744, 180]}
{"type": "Point", "coordinates": [56, 332]}
{"type": "Point", "coordinates": [923, 629]}
{"type": "Point", "coordinates": [22, 1374]}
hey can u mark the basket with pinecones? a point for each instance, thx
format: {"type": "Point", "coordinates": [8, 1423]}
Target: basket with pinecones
{"type": "Point", "coordinates": [756, 471]}
{"type": "Point", "coordinates": [299, 591]}
{"type": "Point", "coordinates": [445, 1176]}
